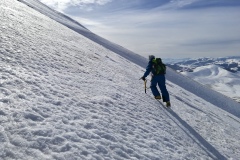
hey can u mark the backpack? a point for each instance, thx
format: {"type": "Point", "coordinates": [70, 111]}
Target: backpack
{"type": "Point", "coordinates": [158, 66]}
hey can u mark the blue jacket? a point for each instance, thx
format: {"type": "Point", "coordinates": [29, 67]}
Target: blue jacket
{"type": "Point", "coordinates": [148, 68]}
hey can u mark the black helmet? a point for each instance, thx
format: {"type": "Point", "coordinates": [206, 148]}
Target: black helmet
{"type": "Point", "coordinates": [151, 57]}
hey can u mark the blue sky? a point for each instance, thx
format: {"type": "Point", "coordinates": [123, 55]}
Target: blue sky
{"type": "Point", "coordinates": [165, 28]}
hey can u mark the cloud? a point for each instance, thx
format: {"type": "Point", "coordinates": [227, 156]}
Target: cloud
{"type": "Point", "coordinates": [174, 33]}
{"type": "Point", "coordinates": [195, 4]}
{"type": "Point", "coordinates": [61, 5]}
{"type": "Point", "coordinates": [179, 3]}
{"type": "Point", "coordinates": [166, 28]}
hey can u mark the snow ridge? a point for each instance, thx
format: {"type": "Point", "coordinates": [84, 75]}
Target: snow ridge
{"type": "Point", "coordinates": [77, 27]}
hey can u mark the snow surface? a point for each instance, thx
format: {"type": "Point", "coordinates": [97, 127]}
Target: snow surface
{"type": "Point", "coordinates": [64, 96]}
{"type": "Point", "coordinates": [218, 79]}
{"type": "Point", "coordinates": [191, 86]}
{"type": "Point", "coordinates": [68, 22]}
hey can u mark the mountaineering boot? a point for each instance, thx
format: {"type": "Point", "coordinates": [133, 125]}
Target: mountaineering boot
{"type": "Point", "coordinates": [168, 104]}
{"type": "Point", "coordinates": [158, 97]}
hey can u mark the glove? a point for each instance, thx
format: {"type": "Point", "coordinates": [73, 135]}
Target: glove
{"type": "Point", "coordinates": [143, 78]}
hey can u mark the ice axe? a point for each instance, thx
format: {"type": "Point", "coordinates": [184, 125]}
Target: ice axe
{"type": "Point", "coordinates": [145, 86]}
{"type": "Point", "coordinates": [145, 83]}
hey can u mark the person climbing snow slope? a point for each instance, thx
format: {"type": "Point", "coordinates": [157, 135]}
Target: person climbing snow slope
{"type": "Point", "coordinates": [158, 70]}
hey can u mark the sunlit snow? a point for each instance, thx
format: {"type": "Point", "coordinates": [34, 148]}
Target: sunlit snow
{"type": "Point", "coordinates": [63, 96]}
{"type": "Point", "coordinates": [218, 79]}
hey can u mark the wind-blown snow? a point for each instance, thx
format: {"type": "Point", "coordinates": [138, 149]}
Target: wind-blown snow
{"type": "Point", "coordinates": [64, 96]}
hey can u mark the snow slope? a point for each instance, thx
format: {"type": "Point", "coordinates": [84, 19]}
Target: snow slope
{"type": "Point", "coordinates": [75, 26]}
{"type": "Point", "coordinates": [64, 96]}
{"type": "Point", "coordinates": [218, 79]}
{"type": "Point", "coordinates": [205, 93]}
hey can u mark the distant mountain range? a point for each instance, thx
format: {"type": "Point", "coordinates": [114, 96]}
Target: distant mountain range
{"type": "Point", "coordinates": [231, 64]}
{"type": "Point", "coordinates": [220, 74]}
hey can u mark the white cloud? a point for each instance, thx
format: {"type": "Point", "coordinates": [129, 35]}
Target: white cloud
{"type": "Point", "coordinates": [87, 22]}
{"type": "Point", "coordinates": [61, 5]}
{"type": "Point", "coordinates": [165, 30]}
{"type": "Point", "coordinates": [175, 33]}
{"type": "Point", "coordinates": [179, 3]}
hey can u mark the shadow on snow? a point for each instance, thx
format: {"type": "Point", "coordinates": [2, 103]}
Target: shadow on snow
{"type": "Point", "coordinates": [195, 136]}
